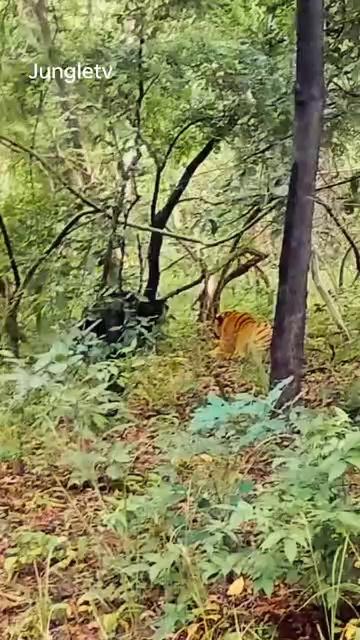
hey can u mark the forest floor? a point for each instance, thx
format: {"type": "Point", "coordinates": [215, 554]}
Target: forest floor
{"type": "Point", "coordinates": [58, 583]}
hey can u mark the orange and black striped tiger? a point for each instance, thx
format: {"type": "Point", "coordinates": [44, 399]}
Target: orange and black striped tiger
{"type": "Point", "coordinates": [240, 333]}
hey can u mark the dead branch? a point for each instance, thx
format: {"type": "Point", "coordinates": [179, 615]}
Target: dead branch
{"type": "Point", "coordinates": [141, 263]}
{"type": "Point", "coordinates": [339, 183]}
{"type": "Point", "coordinates": [258, 256]}
{"type": "Point", "coordinates": [333, 310]}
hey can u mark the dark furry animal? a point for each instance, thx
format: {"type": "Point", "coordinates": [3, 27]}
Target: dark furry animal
{"type": "Point", "coordinates": [120, 320]}
{"type": "Point", "coordinates": [121, 316]}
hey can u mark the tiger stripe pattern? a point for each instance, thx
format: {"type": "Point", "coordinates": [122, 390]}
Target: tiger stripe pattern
{"type": "Point", "coordinates": [240, 333]}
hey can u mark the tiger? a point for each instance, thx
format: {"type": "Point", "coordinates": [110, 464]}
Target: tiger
{"type": "Point", "coordinates": [239, 333]}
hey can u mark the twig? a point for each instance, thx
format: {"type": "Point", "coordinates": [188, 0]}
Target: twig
{"type": "Point", "coordinates": [244, 268]}
{"type": "Point", "coordinates": [339, 183]}
{"type": "Point", "coordinates": [342, 267]}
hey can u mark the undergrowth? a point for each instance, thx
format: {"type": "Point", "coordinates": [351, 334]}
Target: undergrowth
{"type": "Point", "coordinates": [168, 523]}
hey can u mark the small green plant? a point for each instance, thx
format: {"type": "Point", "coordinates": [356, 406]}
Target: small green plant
{"type": "Point", "coordinates": [60, 384]}
{"type": "Point", "coordinates": [104, 459]}
{"type": "Point", "coordinates": [31, 547]}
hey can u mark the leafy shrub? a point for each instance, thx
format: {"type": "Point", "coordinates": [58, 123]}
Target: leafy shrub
{"type": "Point", "coordinates": [182, 534]}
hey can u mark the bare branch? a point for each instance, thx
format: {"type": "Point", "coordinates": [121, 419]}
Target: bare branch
{"type": "Point", "coordinates": [343, 231]}
{"type": "Point", "coordinates": [164, 214]}
{"type": "Point", "coordinates": [155, 195]}
{"type": "Point", "coordinates": [173, 263]}
{"type": "Point", "coordinates": [347, 92]}
{"type": "Point", "coordinates": [151, 83]}
{"type": "Point", "coordinates": [207, 245]}
{"type": "Point", "coordinates": [161, 166]}
{"type": "Point", "coordinates": [10, 252]}
{"type": "Point", "coordinates": [339, 183]}
{"type": "Point", "coordinates": [342, 267]}
{"type": "Point", "coordinates": [246, 228]}
{"type": "Point", "coordinates": [140, 98]}
{"type": "Point", "coordinates": [16, 299]}
{"type": "Point", "coordinates": [141, 263]}
{"type": "Point", "coordinates": [185, 287]}
{"type": "Point", "coordinates": [258, 256]}
{"type": "Point", "coordinates": [163, 232]}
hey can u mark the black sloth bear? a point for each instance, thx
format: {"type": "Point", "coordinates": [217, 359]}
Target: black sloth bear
{"type": "Point", "coordinates": [122, 319]}
{"type": "Point", "coordinates": [123, 316]}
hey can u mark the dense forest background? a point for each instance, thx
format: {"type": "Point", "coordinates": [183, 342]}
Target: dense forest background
{"type": "Point", "coordinates": [152, 491]}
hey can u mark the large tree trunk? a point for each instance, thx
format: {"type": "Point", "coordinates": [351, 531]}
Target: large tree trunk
{"type": "Point", "coordinates": [287, 349]}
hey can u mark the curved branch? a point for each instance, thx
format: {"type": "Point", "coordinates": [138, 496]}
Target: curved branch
{"type": "Point", "coordinates": [342, 267]}
{"type": "Point", "coordinates": [10, 252]}
{"type": "Point", "coordinates": [343, 231]}
{"type": "Point", "coordinates": [164, 214]}
{"type": "Point", "coordinates": [206, 245]}
{"type": "Point", "coordinates": [244, 268]}
{"type": "Point", "coordinates": [164, 232]}
{"type": "Point", "coordinates": [162, 217]}
{"type": "Point", "coordinates": [16, 299]}
{"type": "Point", "coordinates": [247, 227]}
{"type": "Point", "coordinates": [333, 310]}
{"type": "Point", "coordinates": [161, 166]}
{"type": "Point", "coordinates": [185, 287]}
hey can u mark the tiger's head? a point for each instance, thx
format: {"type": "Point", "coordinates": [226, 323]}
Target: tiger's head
{"type": "Point", "coordinates": [218, 322]}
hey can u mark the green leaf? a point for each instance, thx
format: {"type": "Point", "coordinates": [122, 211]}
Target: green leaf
{"type": "Point", "coordinates": [57, 368]}
{"type": "Point", "coordinates": [265, 584]}
{"type": "Point", "coordinates": [290, 549]}
{"type": "Point", "coordinates": [272, 539]}
{"type": "Point", "coordinates": [354, 460]}
{"type": "Point", "coordinates": [246, 486]}
{"type": "Point", "coordinates": [109, 621]}
{"type": "Point", "coordinates": [120, 453]}
{"type": "Point", "coordinates": [350, 519]}
{"type": "Point", "coordinates": [352, 440]}
{"type": "Point", "coordinates": [115, 471]}
{"type": "Point", "coordinates": [9, 565]}
{"type": "Point", "coordinates": [337, 470]}
{"type": "Point", "coordinates": [242, 513]}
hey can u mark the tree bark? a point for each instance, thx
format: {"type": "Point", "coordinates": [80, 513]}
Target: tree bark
{"type": "Point", "coordinates": [287, 349]}
{"type": "Point", "coordinates": [40, 10]}
{"type": "Point", "coordinates": [161, 219]}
